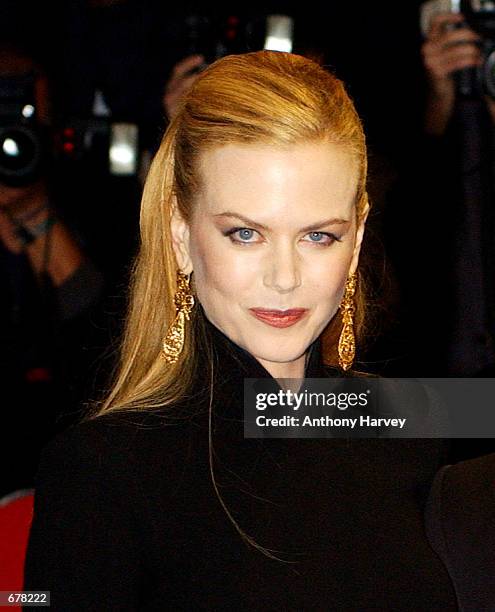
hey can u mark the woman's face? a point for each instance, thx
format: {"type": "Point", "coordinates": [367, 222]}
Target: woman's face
{"type": "Point", "coordinates": [272, 229]}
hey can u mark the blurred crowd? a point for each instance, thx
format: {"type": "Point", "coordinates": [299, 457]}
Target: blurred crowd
{"type": "Point", "coordinates": [90, 112]}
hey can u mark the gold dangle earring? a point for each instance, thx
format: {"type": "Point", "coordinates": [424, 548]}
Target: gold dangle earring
{"type": "Point", "coordinates": [173, 342]}
{"type": "Point", "coordinates": [347, 341]}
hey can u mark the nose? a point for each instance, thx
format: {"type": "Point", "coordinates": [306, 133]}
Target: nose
{"type": "Point", "coordinates": [283, 269]}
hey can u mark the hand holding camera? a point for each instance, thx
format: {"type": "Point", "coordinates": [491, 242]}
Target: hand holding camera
{"type": "Point", "coordinates": [450, 46]}
{"type": "Point", "coordinates": [209, 38]}
{"type": "Point", "coordinates": [458, 55]}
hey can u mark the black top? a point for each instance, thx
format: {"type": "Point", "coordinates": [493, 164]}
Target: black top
{"type": "Point", "coordinates": [126, 516]}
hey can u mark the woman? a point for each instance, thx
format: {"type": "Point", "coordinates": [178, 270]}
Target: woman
{"type": "Point", "coordinates": [256, 202]}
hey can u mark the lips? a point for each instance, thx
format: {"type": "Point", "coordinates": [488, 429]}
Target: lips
{"type": "Point", "coordinates": [279, 318]}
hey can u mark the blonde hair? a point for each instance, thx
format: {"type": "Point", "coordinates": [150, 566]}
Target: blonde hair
{"type": "Point", "coordinates": [267, 97]}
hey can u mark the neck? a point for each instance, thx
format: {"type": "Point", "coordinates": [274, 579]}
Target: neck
{"type": "Point", "coordinates": [293, 369]}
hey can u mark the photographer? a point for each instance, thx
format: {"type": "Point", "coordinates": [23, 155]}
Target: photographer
{"type": "Point", "coordinates": [447, 49]}
{"type": "Point", "coordinates": [457, 171]}
{"type": "Point", "coordinates": [49, 286]}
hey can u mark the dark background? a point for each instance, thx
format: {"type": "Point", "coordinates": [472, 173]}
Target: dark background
{"type": "Point", "coordinates": [374, 47]}
{"type": "Point", "coordinates": [127, 49]}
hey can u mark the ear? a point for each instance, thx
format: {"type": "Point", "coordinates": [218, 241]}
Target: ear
{"type": "Point", "coordinates": [359, 239]}
{"type": "Point", "coordinates": [179, 230]}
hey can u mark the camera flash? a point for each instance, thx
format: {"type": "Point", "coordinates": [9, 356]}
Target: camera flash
{"type": "Point", "coordinates": [279, 32]}
{"type": "Point", "coordinates": [123, 149]}
{"type": "Point", "coordinates": [27, 111]}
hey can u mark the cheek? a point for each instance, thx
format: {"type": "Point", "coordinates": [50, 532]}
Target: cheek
{"type": "Point", "coordinates": [329, 276]}
{"type": "Point", "coordinates": [217, 272]}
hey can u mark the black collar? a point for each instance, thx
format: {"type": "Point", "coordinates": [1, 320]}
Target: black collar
{"type": "Point", "coordinates": [232, 357]}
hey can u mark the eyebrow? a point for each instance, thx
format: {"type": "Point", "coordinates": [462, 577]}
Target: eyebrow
{"type": "Point", "coordinates": [308, 228]}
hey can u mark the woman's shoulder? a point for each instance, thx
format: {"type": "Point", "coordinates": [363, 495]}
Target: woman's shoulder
{"type": "Point", "coordinates": [115, 427]}
{"type": "Point", "coordinates": [100, 489]}
{"type": "Point", "coordinates": [113, 440]}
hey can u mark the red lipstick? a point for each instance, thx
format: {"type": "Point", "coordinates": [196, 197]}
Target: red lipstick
{"type": "Point", "coordinates": [278, 318]}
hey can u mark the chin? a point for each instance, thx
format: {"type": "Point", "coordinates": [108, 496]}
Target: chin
{"type": "Point", "coordinates": [271, 349]}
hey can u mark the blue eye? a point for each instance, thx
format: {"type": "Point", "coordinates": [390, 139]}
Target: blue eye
{"type": "Point", "coordinates": [245, 234]}
{"type": "Point", "coordinates": [320, 238]}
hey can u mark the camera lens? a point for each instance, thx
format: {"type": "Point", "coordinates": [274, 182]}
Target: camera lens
{"type": "Point", "coordinates": [20, 155]}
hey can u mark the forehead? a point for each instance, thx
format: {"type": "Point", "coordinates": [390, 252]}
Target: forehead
{"type": "Point", "coordinates": [296, 179]}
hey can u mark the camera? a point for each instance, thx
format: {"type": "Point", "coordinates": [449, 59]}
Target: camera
{"type": "Point", "coordinates": [23, 141]}
{"type": "Point", "coordinates": [27, 147]}
{"type": "Point", "coordinates": [480, 16]}
{"type": "Point", "coordinates": [214, 37]}
{"type": "Point", "coordinates": [99, 141]}
{"type": "Point", "coordinates": [112, 147]}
